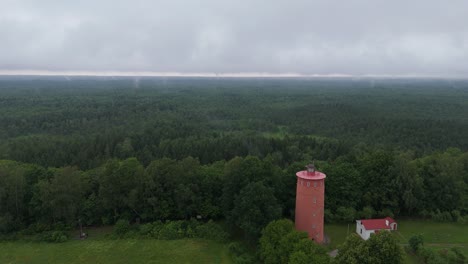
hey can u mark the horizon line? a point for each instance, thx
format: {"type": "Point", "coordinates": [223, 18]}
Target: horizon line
{"type": "Point", "coordinates": [213, 75]}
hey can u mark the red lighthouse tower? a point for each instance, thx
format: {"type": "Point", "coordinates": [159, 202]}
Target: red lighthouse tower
{"type": "Point", "coordinates": [310, 197]}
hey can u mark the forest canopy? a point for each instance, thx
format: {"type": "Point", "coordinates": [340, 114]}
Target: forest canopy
{"type": "Point", "coordinates": [102, 149]}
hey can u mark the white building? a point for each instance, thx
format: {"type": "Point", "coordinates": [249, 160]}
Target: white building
{"type": "Point", "coordinates": [366, 227]}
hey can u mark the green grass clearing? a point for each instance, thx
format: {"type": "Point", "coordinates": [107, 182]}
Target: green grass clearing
{"type": "Point", "coordinates": [116, 251]}
{"type": "Point", "coordinates": [433, 232]}
{"type": "Point", "coordinates": [337, 233]}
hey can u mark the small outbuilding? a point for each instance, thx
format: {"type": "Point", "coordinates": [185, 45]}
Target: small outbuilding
{"type": "Point", "coordinates": [366, 227]}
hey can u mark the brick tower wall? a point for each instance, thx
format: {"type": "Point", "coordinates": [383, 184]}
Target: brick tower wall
{"type": "Point", "coordinates": [310, 198]}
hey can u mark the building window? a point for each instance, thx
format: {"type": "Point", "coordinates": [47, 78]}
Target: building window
{"type": "Point", "coordinates": [301, 182]}
{"type": "Point", "coordinates": [315, 200]}
{"type": "Point", "coordinates": [313, 225]}
{"type": "Point", "coordinates": [361, 230]}
{"type": "Point", "coordinates": [308, 184]}
{"type": "Point", "coordinates": [315, 184]}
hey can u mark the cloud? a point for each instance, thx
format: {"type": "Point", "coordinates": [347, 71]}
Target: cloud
{"type": "Point", "coordinates": [356, 37]}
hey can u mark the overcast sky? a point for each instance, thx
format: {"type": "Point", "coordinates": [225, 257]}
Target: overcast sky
{"type": "Point", "coordinates": [350, 37]}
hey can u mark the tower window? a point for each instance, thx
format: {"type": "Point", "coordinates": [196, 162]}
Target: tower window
{"type": "Point", "coordinates": [315, 184]}
{"type": "Point", "coordinates": [308, 184]}
{"type": "Point", "coordinates": [315, 200]}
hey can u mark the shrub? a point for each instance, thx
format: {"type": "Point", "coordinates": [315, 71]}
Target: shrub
{"type": "Point", "coordinates": [236, 248]}
{"type": "Point", "coordinates": [441, 216]}
{"type": "Point", "coordinates": [8, 237]}
{"type": "Point", "coordinates": [157, 226]}
{"type": "Point", "coordinates": [462, 219]}
{"type": "Point", "coordinates": [416, 242]}
{"type": "Point", "coordinates": [38, 228]}
{"type": "Point", "coordinates": [240, 253]}
{"type": "Point", "coordinates": [453, 255]}
{"type": "Point", "coordinates": [459, 257]}
{"type": "Point", "coordinates": [52, 236]}
{"type": "Point", "coordinates": [131, 234]}
{"type": "Point", "coordinates": [145, 230]}
{"type": "Point", "coordinates": [244, 259]}
{"type": "Point", "coordinates": [183, 229]}
{"type": "Point", "coordinates": [430, 257]}
{"type": "Point", "coordinates": [190, 233]}
{"type": "Point", "coordinates": [211, 230]}
{"type": "Point", "coordinates": [172, 230]}
{"type": "Point", "coordinates": [447, 217]}
{"type": "Point", "coordinates": [455, 215]}
{"type": "Point", "coordinates": [121, 228]}
{"type": "Point", "coordinates": [59, 237]}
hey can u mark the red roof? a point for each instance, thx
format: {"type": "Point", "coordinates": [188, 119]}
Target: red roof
{"type": "Point", "coordinates": [373, 224]}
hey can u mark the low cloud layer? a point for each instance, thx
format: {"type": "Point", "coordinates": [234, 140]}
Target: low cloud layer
{"type": "Point", "coordinates": [356, 37]}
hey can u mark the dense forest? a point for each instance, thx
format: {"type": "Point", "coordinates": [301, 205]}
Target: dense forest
{"type": "Point", "coordinates": [101, 149]}
{"type": "Point", "coordinates": [83, 122]}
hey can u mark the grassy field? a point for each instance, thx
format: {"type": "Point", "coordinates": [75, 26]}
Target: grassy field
{"type": "Point", "coordinates": [436, 235]}
{"type": "Point", "coordinates": [337, 233]}
{"type": "Point", "coordinates": [115, 251]}
{"type": "Point", "coordinates": [97, 249]}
